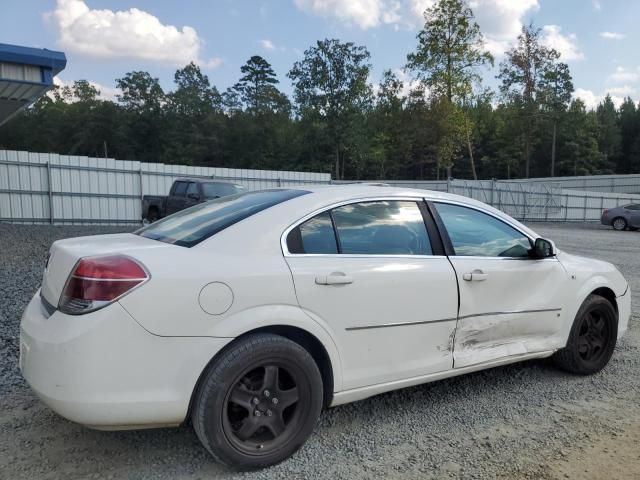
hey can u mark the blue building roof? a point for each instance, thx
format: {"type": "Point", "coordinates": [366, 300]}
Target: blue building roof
{"type": "Point", "coordinates": [25, 75]}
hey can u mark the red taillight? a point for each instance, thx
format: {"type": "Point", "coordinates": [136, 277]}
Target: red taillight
{"type": "Point", "coordinates": [605, 211]}
{"type": "Point", "coordinates": [97, 281]}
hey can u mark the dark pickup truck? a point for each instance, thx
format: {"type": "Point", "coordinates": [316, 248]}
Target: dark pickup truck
{"type": "Point", "coordinates": [184, 193]}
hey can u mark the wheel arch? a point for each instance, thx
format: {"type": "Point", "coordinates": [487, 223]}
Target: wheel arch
{"type": "Point", "coordinates": [329, 371]}
{"type": "Point", "coordinates": [596, 285]}
{"type": "Point", "coordinates": [312, 345]}
{"type": "Point", "coordinates": [608, 294]}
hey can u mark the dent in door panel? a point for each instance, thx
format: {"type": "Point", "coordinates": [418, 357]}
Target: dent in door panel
{"type": "Point", "coordinates": [480, 338]}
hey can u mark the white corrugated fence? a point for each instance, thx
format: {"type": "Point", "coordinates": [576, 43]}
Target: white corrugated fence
{"type": "Point", "coordinates": [65, 189]}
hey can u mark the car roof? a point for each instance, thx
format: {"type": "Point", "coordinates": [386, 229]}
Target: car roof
{"type": "Point", "coordinates": [327, 194]}
{"type": "Point", "coordinates": [203, 180]}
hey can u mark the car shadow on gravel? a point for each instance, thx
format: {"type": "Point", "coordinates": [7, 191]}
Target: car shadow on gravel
{"type": "Point", "coordinates": [440, 411]}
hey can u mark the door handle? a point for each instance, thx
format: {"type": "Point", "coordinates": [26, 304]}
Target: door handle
{"type": "Point", "coordinates": [336, 278]}
{"type": "Point", "coordinates": [475, 276]}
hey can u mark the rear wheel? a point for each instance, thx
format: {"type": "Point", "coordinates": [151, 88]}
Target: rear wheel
{"type": "Point", "coordinates": [592, 338]}
{"type": "Point", "coordinates": [259, 402]}
{"type": "Point", "coordinates": [619, 223]}
{"type": "Point", "coordinates": [153, 215]}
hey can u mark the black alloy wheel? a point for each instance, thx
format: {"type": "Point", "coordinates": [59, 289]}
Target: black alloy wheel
{"type": "Point", "coordinates": [593, 336]}
{"type": "Point", "coordinates": [592, 339]}
{"type": "Point", "coordinates": [258, 401]}
{"type": "Point", "coordinates": [261, 410]}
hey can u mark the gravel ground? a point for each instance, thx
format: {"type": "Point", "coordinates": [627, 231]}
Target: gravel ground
{"type": "Point", "coordinates": [521, 421]}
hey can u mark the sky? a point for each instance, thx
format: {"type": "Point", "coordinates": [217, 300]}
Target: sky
{"type": "Point", "coordinates": [103, 40]}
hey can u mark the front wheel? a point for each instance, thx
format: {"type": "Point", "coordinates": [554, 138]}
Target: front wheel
{"type": "Point", "coordinates": [592, 338]}
{"type": "Point", "coordinates": [259, 402]}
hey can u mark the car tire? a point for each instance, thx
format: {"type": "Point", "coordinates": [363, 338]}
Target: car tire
{"type": "Point", "coordinates": [258, 401]}
{"type": "Point", "coordinates": [152, 216]}
{"type": "Point", "coordinates": [592, 338]}
{"type": "Point", "coordinates": [619, 223]}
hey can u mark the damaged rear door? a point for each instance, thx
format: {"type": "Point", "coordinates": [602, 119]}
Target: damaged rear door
{"type": "Point", "coordinates": [510, 304]}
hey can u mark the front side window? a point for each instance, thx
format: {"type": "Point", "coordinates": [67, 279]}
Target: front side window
{"type": "Point", "coordinates": [381, 228]}
{"type": "Point", "coordinates": [192, 189]}
{"type": "Point", "coordinates": [191, 226]}
{"type": "Point", "coordinates": [180, 189]}
{"type": "Point", "coordinates": [477, 234]}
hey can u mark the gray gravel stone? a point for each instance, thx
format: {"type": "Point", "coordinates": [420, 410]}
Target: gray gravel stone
{"type": "Point", "coordinates": [510, 422]}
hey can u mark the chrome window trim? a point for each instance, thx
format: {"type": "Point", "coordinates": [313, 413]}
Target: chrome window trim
{"type": "Point", "coordinates": [403, 198]}
{"type": "Point", "coordinates": [465, 205]}
{"type": "Point", "coordinates": [500, 219]}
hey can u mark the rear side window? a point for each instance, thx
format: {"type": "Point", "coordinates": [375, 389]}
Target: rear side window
{"type": "Point", "coordinates": [193, 225]}
{"type": "Point", "coordinates": [315, 236]}
{"type": "Point", "coordinates": [633, 207]}
{"type": "Point", "coordinates": [382, 228]}
{"type": "Point", "coordinates": [477, 234]}
{"type": "Point", "coordinates": [366, 228]}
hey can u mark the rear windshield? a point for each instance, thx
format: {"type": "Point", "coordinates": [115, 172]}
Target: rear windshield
{"type": "Point", "coordinates": [193, 225]}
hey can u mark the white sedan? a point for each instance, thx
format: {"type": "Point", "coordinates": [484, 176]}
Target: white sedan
{"type": "Point", "coordinates": [249, 313]}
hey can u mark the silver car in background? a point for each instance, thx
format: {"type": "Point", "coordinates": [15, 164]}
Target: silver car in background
{"type": "Point", "coordinates": [622, 218]}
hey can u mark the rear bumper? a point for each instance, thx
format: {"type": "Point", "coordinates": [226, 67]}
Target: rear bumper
{"type": "Point", "coordinates": [606, 219]}
{"type": "Point", "coordinates": [105, 371]}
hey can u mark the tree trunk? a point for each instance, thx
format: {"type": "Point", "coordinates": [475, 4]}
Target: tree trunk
{"type": "Point", "coordinates": [553, 148]}
{"type": "Point", "coordinates": [527, 155]}
{"type": "Point", "coordinates": [337, 163]}
{"type": "Point", "coordinates": [473, 164]}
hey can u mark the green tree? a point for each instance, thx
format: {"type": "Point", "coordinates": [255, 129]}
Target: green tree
{"type": "Point", "coordinates": [557, 88]}
{"type": "Point", "coordinates": [140, 92]}
{"type": "Point", "coordinates": [330, 84]}
{"type": "Point", "coordinates": [630, 131]}
{"type": "Point", "coordinates": [448, 57]}
{"type": "Point", "coordinates": [525, 75]}
{"type": "Point", "coordinates": [144, 122]}
{"type": "Point", "coordinates": [257, 88]}
{"type": "Point", "coordinates": [193, 95]}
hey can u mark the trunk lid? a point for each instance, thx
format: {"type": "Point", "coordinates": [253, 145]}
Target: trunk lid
{"type": "Point", "coordinates": [64, 254]}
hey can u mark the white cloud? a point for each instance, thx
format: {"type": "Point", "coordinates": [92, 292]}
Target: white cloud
{"type": "Point", "coordinates": [105, 93]}
{"type": "Point", "coordinates": [267, 44]}
{"type": "Point", "coordinates": [596, 5]}
{"type": "Point", "coordinates": [129, 33]}
{"type": "Point", "coordinates": [500, 20]}
{"type": "Point", "coordinates": [591, 100]}
{"type": "Point", "coordinates": [613, 35]}
{"type": "Point", "coordinates": [566, 45]}
{"type": "Point", "coordinates": [623, 75]}
{"type": "Point", "coordinates": [364, 13]}
{"type": "Point", "coordinates": [622, 91]}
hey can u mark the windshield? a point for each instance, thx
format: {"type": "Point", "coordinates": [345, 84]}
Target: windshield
{"type": "Point", "coordinates": [193, 225]}
{"type": "Point", "coordinates": [215, 190]}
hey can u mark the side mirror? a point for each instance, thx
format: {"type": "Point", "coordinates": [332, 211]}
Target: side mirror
{"type": "Point", "coordinates": [193, 196]}
{"type": "Point", "coordinates": [544, 248]}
